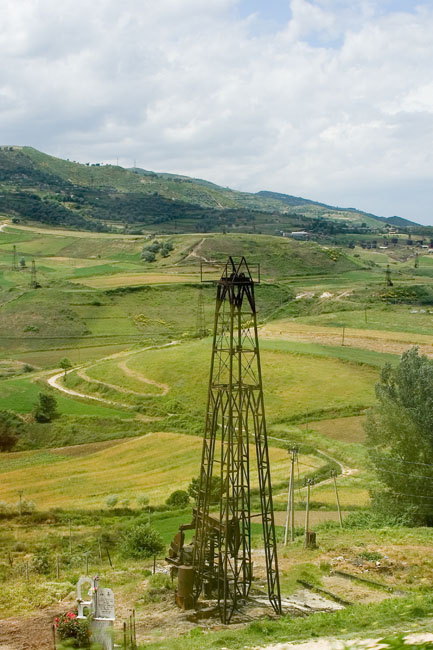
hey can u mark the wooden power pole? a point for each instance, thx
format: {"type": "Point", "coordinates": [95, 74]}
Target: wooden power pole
{"type": "Point", "coordinates": [334, 476]}
{"type": "Point", "coordinates": [290, 514]}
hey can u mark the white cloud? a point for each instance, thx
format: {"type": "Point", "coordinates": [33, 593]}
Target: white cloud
{"type": "Point", "coordinates": [337, 104]}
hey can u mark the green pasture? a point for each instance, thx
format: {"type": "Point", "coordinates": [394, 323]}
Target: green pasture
{"type": "Point", "coordinates": [20, 395]}
{"type": "Point", "coordinates": [294, 383]}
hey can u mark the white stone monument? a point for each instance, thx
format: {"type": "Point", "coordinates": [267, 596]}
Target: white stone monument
{"type": "Point", "coordinates": [101, 608]}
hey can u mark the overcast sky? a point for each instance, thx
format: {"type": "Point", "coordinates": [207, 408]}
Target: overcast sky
{"type": "Point", "coordinates": [331, 100]}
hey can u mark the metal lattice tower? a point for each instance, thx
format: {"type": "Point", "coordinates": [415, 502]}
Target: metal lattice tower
{"type": "Point", "coordinates": [33, 280]}
{"type": "Point", "coordinates": [14, 259]}
{"type": "Point", "coordinates": [200, 328]}
{"type": "Point", "coordinates": [235, 416]}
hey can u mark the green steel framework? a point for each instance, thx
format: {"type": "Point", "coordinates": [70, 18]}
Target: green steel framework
{"type": "Point", "coordinates": [235, 417]}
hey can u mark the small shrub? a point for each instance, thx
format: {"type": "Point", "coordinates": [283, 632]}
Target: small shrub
{"type": "Point", "coordinates": [371, 556]}
{"type": "Point", "coordinates": [70, 627]}
{"type": "Point", "coordinates": [112, 500]}
{"type": "Point", "coordinates": [141, 541]}
{"type": "Point", "coordinates": [41, 562]}
{"type": "Point", "coordinates": [143, 500]}
{"type": "Point", "coordinates": [178, 499]}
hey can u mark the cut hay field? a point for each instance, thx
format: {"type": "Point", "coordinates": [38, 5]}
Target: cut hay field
{"type": "Point", "coordinates": [155, 464]}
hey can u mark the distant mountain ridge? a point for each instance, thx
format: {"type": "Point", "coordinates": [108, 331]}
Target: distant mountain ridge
{"type": "Point", "coordinates": [37, 186]}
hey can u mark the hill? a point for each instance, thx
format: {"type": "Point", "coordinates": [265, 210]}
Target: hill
{"type": "Point", "coordinates": [42, 188]}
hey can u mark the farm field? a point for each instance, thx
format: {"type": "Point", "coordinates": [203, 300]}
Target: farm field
{"type": "Point", "coordinates": [132, 422]}
{"type": "Point", "coordinates": [149, 464]}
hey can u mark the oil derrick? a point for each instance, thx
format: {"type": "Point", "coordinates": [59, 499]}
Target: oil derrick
{"type": "Point", "coordinates": [14, 259]}
{"type": "Point", "coordinates": [388, 280]}
{"type": "Point", "coordinates": [34, 284]}
{"type": "Point", "coordinates": [220, 556]}
{"type": "Point", "coordinates": [200, 328]}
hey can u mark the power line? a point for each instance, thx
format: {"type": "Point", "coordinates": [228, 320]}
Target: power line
{"type": "Point", "coordinates": [401, 460]}
{"type": "Point", "coordinates": [393, 471]}
{"type": "Point", "coordinates": [415, 496]}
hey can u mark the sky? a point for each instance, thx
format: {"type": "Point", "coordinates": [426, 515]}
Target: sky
{"type": "Point", "coordinates": [331, 100]}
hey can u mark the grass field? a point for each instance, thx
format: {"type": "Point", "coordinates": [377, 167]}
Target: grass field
{"type": "Point", "coordinates": [294, 382]}
{"type": "Point", "coordinates": [155, 464]}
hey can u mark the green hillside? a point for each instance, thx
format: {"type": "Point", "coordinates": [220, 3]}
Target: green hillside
{"type": "Point", "coordinates": [37, 187]}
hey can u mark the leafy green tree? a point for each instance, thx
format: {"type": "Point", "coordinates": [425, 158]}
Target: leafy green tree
{"type": "Point", "coordinates": [147, 256]}
{"type": "Point", "coordinates": [9, 431]}
{"type": "Point", "coordinates": [215, 489]}
{"type": "Point", "coordinates": [141, 541]}
{"type": "Point", "coordinates": [65, 364]}
{"type": "Point", "coordinates": [46, 408]}
{"type": "Point", "coordinates": [400, 439]}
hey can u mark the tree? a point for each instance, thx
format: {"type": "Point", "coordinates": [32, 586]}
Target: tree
{"type": "Point", "coordinates": [23, 262]}
{"type": "Point", "coordinates": [9, 430]}
{"type": "Point", "coordinates": [178, 499]}
{"type": "Point", "coordinates": [147, 256]}
{"type": "Point", "coordinates": [215, 489]}
{"type": "Point", "coordinates": [65, 364]}
{"type": "Point", "coordinates": [46, 408]}
{"type": "Point", "coordinates": [400, 439]}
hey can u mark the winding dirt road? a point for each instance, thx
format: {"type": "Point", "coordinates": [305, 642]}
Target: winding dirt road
{"type": "Point", "coordinates": [55, 381]}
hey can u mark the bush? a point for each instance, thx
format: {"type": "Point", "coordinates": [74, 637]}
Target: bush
{"type": "Point", "coordinates": [141, 541]}
{"type": "Point", "coordinates": [41, 562]}
{"type": "Point", "coordinates": [9, 430]}
{"type": "Point", "coordinates": [111, 500]}
{"type": "Point", "coordinates": [178, 499]}
{"type": "Point", "coordinates": [70, 627]}
{"type": "Point", "coordinates": [143, 500]}
{"type": "Point", "coordinates": [148, 256]}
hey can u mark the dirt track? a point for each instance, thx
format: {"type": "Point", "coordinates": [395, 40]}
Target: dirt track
{"type": "Point", "coordinates": [34, 633]}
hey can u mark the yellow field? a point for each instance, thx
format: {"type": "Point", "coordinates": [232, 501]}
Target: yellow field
{"type": "Point", "coordinates": [82, 476]}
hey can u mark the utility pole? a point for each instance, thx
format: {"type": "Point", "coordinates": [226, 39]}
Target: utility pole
{"type": "Point", "coordinates": [310, 537]}
{"type": "Point", "coordinates": [290, 514]}
{"type": "Point", "coordinates": [20, 494]}
{"type": "Point", "coordinates": [334, 476]}
{"type": "Point", "coordinates": [416, 264]}
{"type": "Point", "coordinates": [14, 259]}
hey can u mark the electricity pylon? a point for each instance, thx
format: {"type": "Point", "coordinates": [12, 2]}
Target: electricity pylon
{"type": "Point", "coordinates": [388, 280]}
{"type": "Point", "coordinates": [221, 556]}
{"type": "Point", "coordinates": [33, 280]}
